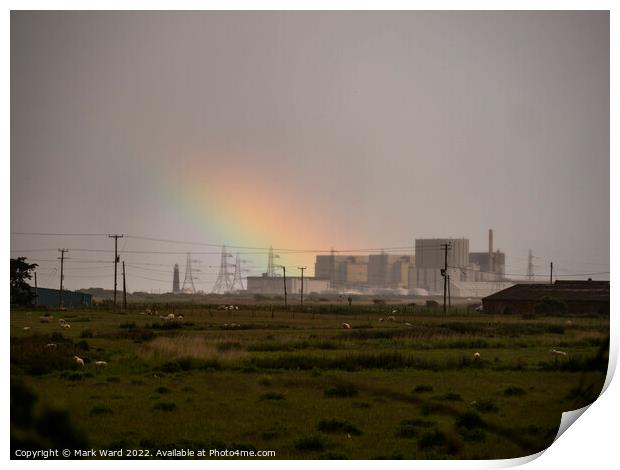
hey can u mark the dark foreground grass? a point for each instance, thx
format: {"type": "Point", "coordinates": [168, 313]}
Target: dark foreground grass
{"type": "Point", "coordinates": [305, 388]}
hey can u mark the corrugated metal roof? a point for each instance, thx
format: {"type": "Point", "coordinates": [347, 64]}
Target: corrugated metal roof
{"type": "Point", "coordinates": [562, 290]}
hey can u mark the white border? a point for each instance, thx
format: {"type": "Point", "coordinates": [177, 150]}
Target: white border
{"type": "Point", "coordinates": [590, 443]}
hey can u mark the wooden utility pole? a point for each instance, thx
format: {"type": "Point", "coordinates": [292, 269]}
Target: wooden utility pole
{"type": "Point", "coordinates": [36, 290]}
{"type": "Point", "coordinates": [445, 247]}
{"type": "Point", "coordinates": [62, 275]}
{"type": "Point", "coordinates": [285, 299]}
{"type": "Point", "coordinates": [125, 291]}
{"type": "Point", "coordinates": [551, 273]}
{"type": "Point", "coordinates": [302, 286]}
{"type": "Point", "coordinates": [116, 237]}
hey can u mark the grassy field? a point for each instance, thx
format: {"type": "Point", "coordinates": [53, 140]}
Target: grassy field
{"type": "Point", "coordinates": [300, 384]}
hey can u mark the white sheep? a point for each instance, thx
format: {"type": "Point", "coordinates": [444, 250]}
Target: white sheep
{"type": "Point", "coordinates": [79, 361]}
{"type": "Point", "coordinates": [394, 311]}
{"type": "Point", "coordinates": [44, 319]}
{"type": "Point", "coordinates": [476, 355]}
{"type": "Point", "coordinates": [569, 322]}
{"type": "Point", "coordinates": [170, 316]}
{"type": "Point", "coordinates": [51, 346]}
{"type": "Point", "coordinates": [62, 320]}
{"type": "Point", "coordinates": [179, 317]}
{"type": "Point", "coordinates": [408, 324]}
{"type": "Point", "coordinates": [555, 352]}
{"type": "Point", "coordinates": [100, 364]}
{"type": "Point", "coordinates": [381, 319]}
{"type": "Point", "coordinates": [346, 326]}
{"type": "Point", "coordinates": [236, 307]}
{"type": "Point", "coordinates": [26, 328]}
{"type": "Point", "coordinates": [65, 325]}
{"type": "Point", "coordinates": [161, 317]}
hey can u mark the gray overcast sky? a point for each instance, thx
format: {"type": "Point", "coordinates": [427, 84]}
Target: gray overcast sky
{"type": "Point", "coordinates": [308, 130]}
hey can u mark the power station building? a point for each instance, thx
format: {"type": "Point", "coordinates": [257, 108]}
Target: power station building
{"type": "Point", "coordinates": [469, 274]}
{"type": "Point", "coordinates": [275, 285]}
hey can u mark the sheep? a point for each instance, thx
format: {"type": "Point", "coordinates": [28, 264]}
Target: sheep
{"type": "Point", "coordinates": [62, 320]}
{"type": "Point", "coordinates": [476, 355]}
{"type": "Point", "coordinates": [51, 346]}
{"type": "Point", "coordinates": [236, 307]}
{"type": "Point", "coordinates": [100, 364]}
{"type": "Point", "coordinates": [232, 307]}
{"type": "Point", "coordinates": [26, 328]}
{"type": "Point", "coordinates": [45, 319]}
{"type": "Point", "coordinates": [346, 326]}
{"type": "Point", "coordinates": [79, 361]}
{"type": "Point", "coordinates": [65, 325]}
{"type": "Point", "coordinates": [179, 317]}
{"type": "Point", "coordinates": [161, 317]}
{"type": "Point", "coordinates": [381, 319]}
{"type": "Point", "coordinates": [408, 324]}
{"type": "Point", "coordinates": [394, 311]}
{"type": "Point", "coordinates": [170, 316]}
{"type": "Point", "coordinates": [555, 352]}
{"type": "Point", "coordinates": [569, 322]}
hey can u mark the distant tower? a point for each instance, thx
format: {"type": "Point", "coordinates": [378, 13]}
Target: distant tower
{"type": "Point", "coordinates": [530, 266]}
{"type": "Point", "coordinates": [237, 281]}
{"type": "Point", "coordinates": [223, 282]}
{"type": "Point", "coordinates": [189, 277]}
{"type": "Point", "coordinates": [175, 280]}
{"type": "Point", "coordinates": [271, 266]}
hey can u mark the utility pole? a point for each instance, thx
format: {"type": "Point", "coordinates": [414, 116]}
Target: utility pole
{"type": "Point", "coordinates": [302, 286]}
{"type": "Point", "coordinates": [36, 290]}
{"type": "Point", "coordinates": [116, 237]}
{"type": "Point", "coordinates": [124, 290]}
{"type": "Point", "coordinates": [444, 272]}
{"type": "Point", "coordinates": [551, 273]}
{"type": "Point", "coordinates": [285, 300]}
{"type": "Point", "coordinates": [62, 276]}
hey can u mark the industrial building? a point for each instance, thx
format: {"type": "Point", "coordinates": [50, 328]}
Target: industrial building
{"type": "Point", "coordinates": [51, 298]}
{"type": "Point", "coordinates": [579, 297]}
{"type": "Point", "coordinates": [271, 285]}
{"type": "Point", "coordinates": [375, 271]}
{"type": "Point", "coordinates": [469, 274]}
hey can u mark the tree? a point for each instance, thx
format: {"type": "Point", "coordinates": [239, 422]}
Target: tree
{"type": "Point", "coordinates": [21, 292]}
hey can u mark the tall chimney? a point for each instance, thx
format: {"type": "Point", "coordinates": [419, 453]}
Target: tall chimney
{"type": "Point", "coordinates": [491, 250]}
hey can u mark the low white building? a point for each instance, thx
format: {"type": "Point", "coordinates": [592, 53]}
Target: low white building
{"type": "Point", "coordinates": [272, 285]}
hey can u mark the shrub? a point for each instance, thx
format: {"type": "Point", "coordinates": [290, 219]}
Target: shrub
{"type": "Point", "coordinates": [100, 410]}
{"type": "Point", "coordinates": [312, 443]}
{"type": "Point", "coordinates": [162, 390]}
{"type": "Point", "coordinates": [338, 426]}
{"type": "Point", "coordinates": [87, 333]}
{"type": "Point", "coordinates": [513, 391]}
{"type": "Point", "coordinates": [431, 439]}
{"type": "Point", "coordinates": [451, 396]}
{"type": "Point", "coordinates": [165, 406]}
{"type": "Point", "coordinates": [423, 388]}
{"type": "Point", "coordinates": [342, 391]}
{"type": "Point", "coordinates": [272, 396]}
{"type": "Point", "coordinates": [487, 406]}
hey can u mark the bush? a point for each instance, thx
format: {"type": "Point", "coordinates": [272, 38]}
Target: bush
{"type": "Point", "coordinates": [451, 396]}
{"type": "Point", "coordinates": [431, 439]}
{"type": "Point", "coordinates": [487, 406]}
{"type": "Point", "coordinates": [312, 443]}
{"type": "Point", "coordinates": [165, 406]}
{"type": "Point", "coordinates": [162, 390]}
{"type": "Point", "coordinates": [423, 388]}
{"type": "Point", "coordinates": [272, 396]}
{"type": "Point", "coordinates": [513, 391]}
{"type": "Point", "coordinates": [338, 426]}
{"type": "Point", "coordinates": [342, 391]}
{"type": "Point", "coordinates": [100, 410]}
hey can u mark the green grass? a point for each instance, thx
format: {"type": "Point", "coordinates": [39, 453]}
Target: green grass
{"type": "Point", "coordinates": [304, 387]}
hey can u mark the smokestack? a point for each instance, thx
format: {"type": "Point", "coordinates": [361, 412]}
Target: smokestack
{"type": "Point", "coordinates": [491, 250]}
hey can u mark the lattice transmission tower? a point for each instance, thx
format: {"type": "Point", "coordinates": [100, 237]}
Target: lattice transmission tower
{"type": "Point", "coordinates": [271, 266]}
{"type": "Point", "coordinates": [188, 282]}
{"type": "Point", "coordinates": [223, 283]}
{"type": "Point", "coordinates": [237, 281]}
